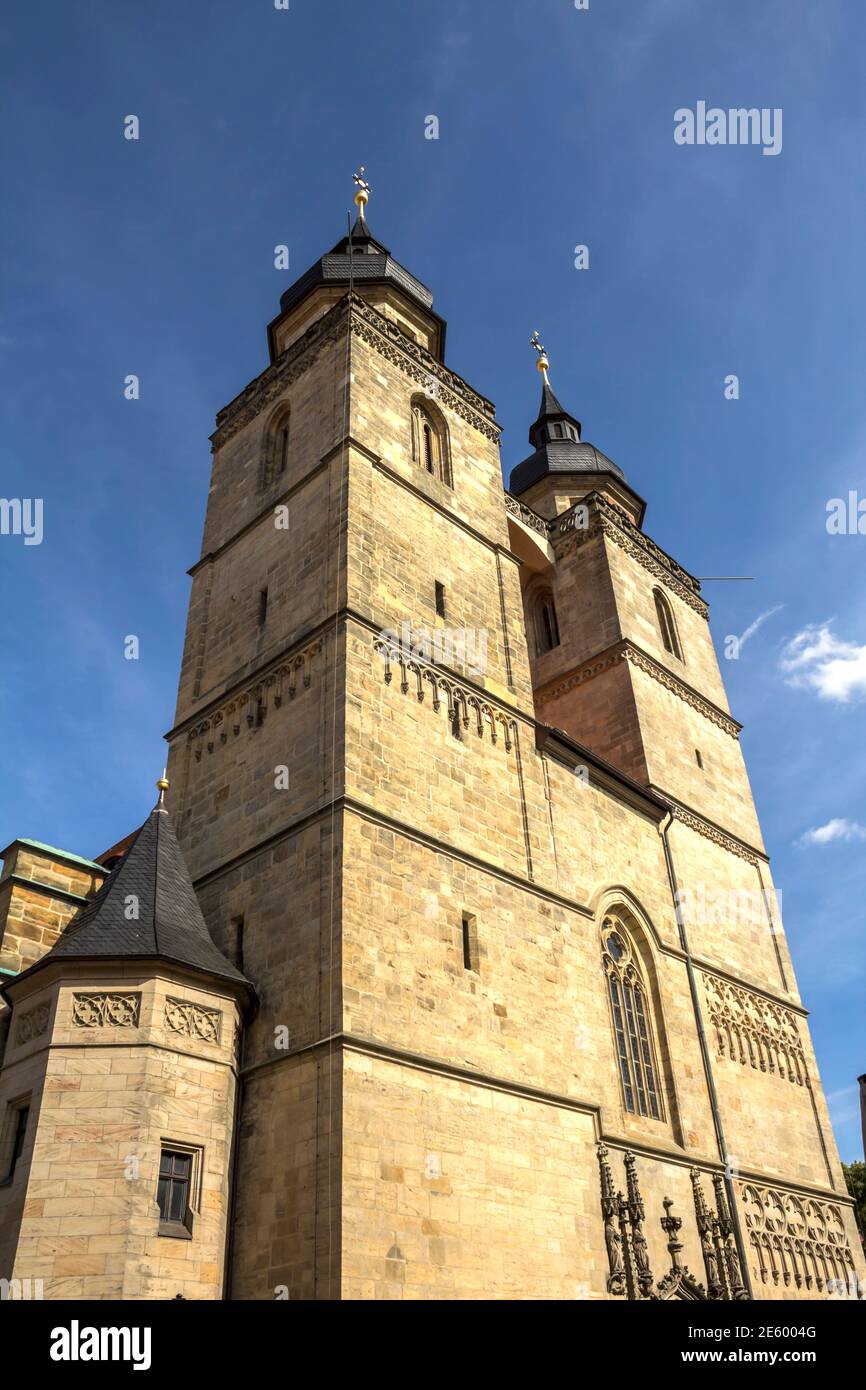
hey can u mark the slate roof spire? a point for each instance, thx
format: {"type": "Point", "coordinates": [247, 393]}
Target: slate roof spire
{"type": "Point", "coordinates": [556, 438]}
{"type": "Point", "coordinates": [359, 259]}
{"type": "Point", "coordinates": [147, 909]}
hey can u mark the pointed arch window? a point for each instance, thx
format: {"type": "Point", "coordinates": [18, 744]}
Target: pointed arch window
{"type": "Point", "coordinates": [546, 626]}
{"type": "Point", "coordinates": [430, 441]}
{"type": "Point", "coordinates": [631, 1018]}
{"type": "Point", "coordinates": [667, 625]}
{"type": "Point", "coordinates": [276, 448]}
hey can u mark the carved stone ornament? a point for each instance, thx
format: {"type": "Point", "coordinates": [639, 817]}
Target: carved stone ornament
{"type": "Point", "coordinates": [630, 1275]}
{"type": "Point", "coordinates": [754, 1031]}
{"type": "Point", "coordinates": [193, 1020]}
{"type": "Point", "coordinates": [718, 1245]}
{"type": "Point", "coordinates": [106, 1010]}
{"type": "Point", "coordinates": [462, 703]}
{"type": "Point", "coordinates": [796, 1241]}
{"type": "Point", "coordinates": [249, 708]}
{"type": "Point", "coordinates": [32, 1024]}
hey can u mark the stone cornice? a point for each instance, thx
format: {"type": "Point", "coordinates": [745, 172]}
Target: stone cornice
{"type": "Point", "coordinates": [274, 379]}
{"type": "Point", "coordinates": [667, 1152]}
{"type": "Point", "coordinates": [527, 515]}
{"type": "Point", "coordinates": [628, 651]}
{"type": "Point", "coordinates": [450, 390]}
{"type": "Point", "coordinates": [713, 832]}
{"type": "Point", "coordinates": [45, 889]}
{"type": "Point", "coordinates": [267, 684]}
{"type": "Point", "coordinates": [382, 334]}
{"type": "Point", "coordinates": [611, 521]}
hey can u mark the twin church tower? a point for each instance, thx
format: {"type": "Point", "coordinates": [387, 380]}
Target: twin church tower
{"type": "Point", "coordinates": [444, 968]}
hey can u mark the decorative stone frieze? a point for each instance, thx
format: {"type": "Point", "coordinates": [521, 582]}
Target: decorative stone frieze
{"type": "Point", "coordinates": [627, 651]}
{"type": "Point", "coordinates": [32, 1024]}
{"type": "Point", "coordinates": [248, 709]}
{"type": "Point", "coordinates": [795, 1240]}
{"type": "Point", "coordinates": [526, 515]}
{"type": "Point", "coordinates": [106, 1010]}
{"type": "Point", "coordinates": [754, 1031]}
{"type": "Point", "coordinates": [387, 338]}
{"type": "Point", "coordinates": [193, 1020]}
{"type": "Point", "coordinates": [463, 705]}
{"type": "Point", "coordinates": [273, 382]}
{"type": "Point", "coordinates": [611, 521]}
{"type": "Point", "coordinates": [711, 832]}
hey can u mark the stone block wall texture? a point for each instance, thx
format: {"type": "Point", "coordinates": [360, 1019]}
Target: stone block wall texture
{"type": "Point", "coordinates": [40, 893]}
{"type": "Point", "coordinates": [110, 1088]}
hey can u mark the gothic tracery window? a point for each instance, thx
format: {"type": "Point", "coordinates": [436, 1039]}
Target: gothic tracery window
{"type": "Point", "coordinates": [430, 441]}
{"type": "Point", "coordinates": [667, 625]}
{"type": "Point", "coordinates": [631, 1017]}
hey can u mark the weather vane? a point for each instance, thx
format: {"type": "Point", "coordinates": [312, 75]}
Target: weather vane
{"type": "Point", "coordinates": [542, 364]}
{"type": "Point", "coordinates": [362, 197]}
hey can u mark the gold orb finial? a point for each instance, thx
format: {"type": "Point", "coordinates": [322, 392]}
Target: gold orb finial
{"type": "Point", "coordinates": [362, 196]}
{"type": "Point", "coordinates": [542, 363]}
{"type": "Point", "coordinates": [163, 785]}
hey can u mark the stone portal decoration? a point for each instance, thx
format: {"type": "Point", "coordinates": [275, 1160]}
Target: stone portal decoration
{"type": "Point", "coordinates": [630, 1274]}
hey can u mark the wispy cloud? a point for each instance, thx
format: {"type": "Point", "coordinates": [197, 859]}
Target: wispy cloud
{"type": "Point", "coordinates": [816, 659]}
{"type": "Point", "coordinates": [759, 622]}
{"type": "Point", "coordinates": [836, 829]}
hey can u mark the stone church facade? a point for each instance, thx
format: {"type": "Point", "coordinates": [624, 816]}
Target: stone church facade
{"type": "Point", "coordinates": [448, 966]}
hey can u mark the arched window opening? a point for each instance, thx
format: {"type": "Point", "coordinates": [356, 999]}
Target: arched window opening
{"type": "Point", "coordinates": [667, 625]}
{"type": "Point", "coordinates": [546, 626]}
{"type": "Point", "coordinates": [430, 442]}
{"type": "Point", "coordinates": [276, 449]}
{"type": "Point", "coordinates": [631, 1017]}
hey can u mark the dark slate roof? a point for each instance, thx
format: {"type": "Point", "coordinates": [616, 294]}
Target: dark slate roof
{"type": "Point", "coordinates": [170, 924]}
{"type": "Point", "coordinates": [557, 455]}
{"type": "Point", "coordinates": [369, 260]}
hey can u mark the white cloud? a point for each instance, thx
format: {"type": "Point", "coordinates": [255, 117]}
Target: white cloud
{"type": "Point", "coordinates": [837, 829]}
{"type": "Point", "coordinates": [816, 659]}
{"type": "Point", "coordinates": [759, 622]}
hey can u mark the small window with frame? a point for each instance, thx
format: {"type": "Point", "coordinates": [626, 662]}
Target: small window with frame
{"type": "Point", "coordinates": [14, 1137]}
{"type": "Point", "coordinates": [177, 1190]}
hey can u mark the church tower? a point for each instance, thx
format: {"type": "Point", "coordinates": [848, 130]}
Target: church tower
{"type": "Point", "coordinates": [454, 775]}
{"type": "Point", "coordinates": [450, 967]}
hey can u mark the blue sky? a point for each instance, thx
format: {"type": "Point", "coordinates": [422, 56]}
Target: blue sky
{"type": "Point", "coordinates": [556, 129]}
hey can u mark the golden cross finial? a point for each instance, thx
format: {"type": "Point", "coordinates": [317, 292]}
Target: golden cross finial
{"type": "Point", "coordinates": [362, 197]}
{"type": "Point", "coordinates": [163, 785]}
{"type": "Point", "coordinates": [542, 364]}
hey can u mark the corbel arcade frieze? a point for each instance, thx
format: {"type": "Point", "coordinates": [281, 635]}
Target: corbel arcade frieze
{"type": "Point", "coordinates": [248, 708]}
{"type": "Point", "coordinates": [464, 707]}
{"type": "Point", "coordinates": [754, 1031]}
{"type": "Point", "coordinates": [796, 1242]}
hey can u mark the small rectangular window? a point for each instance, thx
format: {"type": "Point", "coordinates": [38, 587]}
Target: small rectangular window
{"type": "Point", "coordinates": [698, 759]}
{"type": "Point", "coordinates": [440, 599]}
{"type": "Point", "coordinates": [238, 942]}
{"type": "Point", "coordinates": [173, 1192]}
{"type": "Point", "coordinates": [263, 605]}
{"type": "Point", "coordinates": [18, 1117]}
{"type": "Point", "coordinates": [470, 942]}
